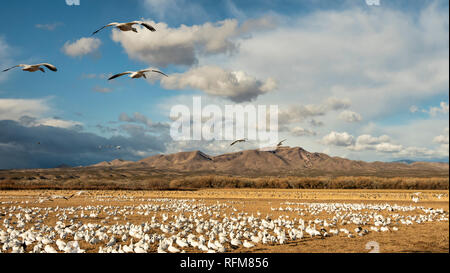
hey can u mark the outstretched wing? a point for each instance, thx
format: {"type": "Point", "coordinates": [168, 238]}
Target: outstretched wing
{"type": "Point", "coordinates": [49, 66]}
{"type": "Point", "coordinates": [11, 68]}
{"type": "Point", "coordinates": [108, 25]}
{"type": "Point", "coordinates": [153, 70]}
{"type": "Point", "coordinates": [157, 71]}
{"type": "Point", "coordinates": [281, 142]}
{"type": "Point", "coordinates": [144, 24]}
{"type": "Point", "coordinates": [119, 75]}
{"type": "Point", "coordinates": [234, 142]}
{"type": "Point", "coordinates": [149, 27]}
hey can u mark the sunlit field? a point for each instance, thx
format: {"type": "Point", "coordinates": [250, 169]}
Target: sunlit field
{"type": "Point", "coordinates": [224, 220]}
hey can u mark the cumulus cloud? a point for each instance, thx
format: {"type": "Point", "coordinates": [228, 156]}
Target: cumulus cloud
{"type": "Point", "coordinates": [299, 131]}
{"type": "Point", "coordinates": [150, 126]}
{"type": "Point", "coordinates": [137, 117]}
{"type": "Point", "coordinates": [81, 47]}
{"type": "Point", "coordinates": [350, 116]}
{"type": "Point", "coordinates": [183, 45]}
{"type": "Point", "coordinates": [442, 109]}
{"type": "Point", "coordinates": [297, 113]}
{"type": "Point", "coordinates": [380, 144]}
{"type": "Point", "coordinates": [343, 53]}
{"type": "Point", "coordinates": [14, 109]}
{"type": "Point", "coordinates": [58, 123]}
{"type": "Point", "coordinates": [338, 139]}
{"type": "Point", "coordinates": [433, 111]}
{"type": "Point", "coordinates": [237, 86]}
{"type": "Point", "coordinates": [388, 148]}
{"type": "Point", "coordinates": [441, 139]}
{"type": "Point", "coordinates": [32, 112]}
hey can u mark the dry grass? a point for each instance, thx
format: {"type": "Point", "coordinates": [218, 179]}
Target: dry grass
{"type": "Point", "coordinates": [86, 182]}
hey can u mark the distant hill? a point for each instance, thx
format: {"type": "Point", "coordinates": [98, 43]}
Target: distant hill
{"type": "Point", "coordinates": [283, 161]}
{"type": "Point", "coordinates": [63, 166]}
{"type": "Point", "coordinates": [114, 163]}
{"type": "Point", "coordinates": [406, 161]}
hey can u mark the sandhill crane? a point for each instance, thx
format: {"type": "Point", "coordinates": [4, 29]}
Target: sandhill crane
{"type": "Point", "coordinates": [34, 67]}
{"type": "Point", "coordinates": [137, 74]}
{"type": "Point", "coordinates": [127, 26]}
{"type": "Point", "coordinates": [237, 141]}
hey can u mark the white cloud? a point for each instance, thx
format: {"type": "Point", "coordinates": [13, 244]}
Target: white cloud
{"type": "Point", "coordinates": [58, 123]}
{"type": "Point", "coordinates": [299, 131]}
{"type": "Point", "coordinates": [388, 148]}
{"type": "Point", "coordinates": [338, 139]}
{"type": "Point", "coordinates": [297, 113]}
{"type": "Point", "coordinates": [237, 86]}
{"type": "Point", "coordinates": [31, 112]}
{"type": "Point", "coordinates": [433, 111]}
{"type": "Point", "coordinates": [183, 45]}
{"type": "Point", "coordinates": [14, 109]}
{"type": "Point", "coordinates": [443, 109]}
{"type": "Point", "coordinates": [441, 139]}
{"type": "Point", "coordinates": [350, 116]}
{"type": "Point", "coordinates": [417, 152]}
{"type": "Point", "coordinates": [81, 47]}
{"type": "Point", "coordinates": [413, 109]}
{"type": "Point", "coordinates": [358, 54]}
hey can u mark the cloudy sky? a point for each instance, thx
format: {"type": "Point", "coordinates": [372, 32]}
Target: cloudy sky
{"type": "Point", "coordinates": [351, 80]}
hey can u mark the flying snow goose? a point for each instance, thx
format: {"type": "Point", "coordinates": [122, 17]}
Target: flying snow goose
{"type": "Point", "coordinates": [127, 26]}
{"type": "Point", "coordinates": [34, 67]}
{"type": "Point", "coordinates": [281, 142]}
{"type": "Point", "coordinates": [237, 141]}
{"type": "Point", "coordinates": [137, 74]}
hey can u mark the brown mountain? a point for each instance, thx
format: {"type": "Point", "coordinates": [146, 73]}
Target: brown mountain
{"type": "Point", "coordinates": [283, 161]}
{"type": "Point", "coordinates": [114, 163]}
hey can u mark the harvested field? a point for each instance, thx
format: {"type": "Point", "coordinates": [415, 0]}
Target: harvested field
{"type": "Point", "coordinates": [224, 220]}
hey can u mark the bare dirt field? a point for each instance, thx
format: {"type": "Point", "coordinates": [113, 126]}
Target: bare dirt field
{"type": "Point", "coordinates": [225, 220]}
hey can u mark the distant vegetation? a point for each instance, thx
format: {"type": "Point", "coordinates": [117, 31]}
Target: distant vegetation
{"type": "Point", "coordinates": [215, 181]}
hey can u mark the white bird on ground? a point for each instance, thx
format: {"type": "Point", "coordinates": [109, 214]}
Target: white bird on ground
{"type": "Point", "coordinates": [137, 74]}
{"type": "Point", "coordinates": [127, 26]}
{"type": "Point", "coordinates": [247, 244]}
{"type": "Point", "coordinates": [34, 67]}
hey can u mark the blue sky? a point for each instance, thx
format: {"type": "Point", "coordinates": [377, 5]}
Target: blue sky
{"type": "Point", "coordinates": [352, 80]}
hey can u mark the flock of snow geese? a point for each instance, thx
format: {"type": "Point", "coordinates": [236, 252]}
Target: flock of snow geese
{"type": "Point", "coordinates": [122, 27]}
{"type": "Point", "coordinates": [128, 224]}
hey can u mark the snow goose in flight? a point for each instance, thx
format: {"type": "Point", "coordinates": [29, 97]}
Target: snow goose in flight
{"type": "Point", "coordinates": [281, 143]}
{"type": "Point", "coordinates": [237, 141]}
{"type": "Point", "coordinates": [127, 26]}
{"type": "Point", "coordinates": [137, 74]}
{"type": "Point", "coordinates": [34, 67]}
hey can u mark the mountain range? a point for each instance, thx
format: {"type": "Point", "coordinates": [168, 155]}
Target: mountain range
{"type": "Point", "coordinates": [282, 161]}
